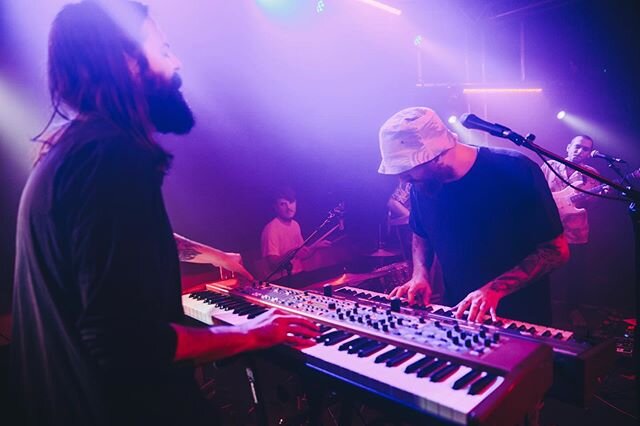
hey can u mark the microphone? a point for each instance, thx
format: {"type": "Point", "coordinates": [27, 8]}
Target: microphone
{"type": "Point", "coordinates": [472, 121]}
{"type": "Point", "coordinates": [598, 154]}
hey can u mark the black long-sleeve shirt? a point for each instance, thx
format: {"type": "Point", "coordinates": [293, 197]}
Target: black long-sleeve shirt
{"type": "Point", "coordinates": [97, 285]}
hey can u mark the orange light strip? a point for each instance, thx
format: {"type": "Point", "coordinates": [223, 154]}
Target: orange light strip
{"type": "Point", "coordinates": [502, 90]}
{"type": "Point", "coordinates": [382, 6]}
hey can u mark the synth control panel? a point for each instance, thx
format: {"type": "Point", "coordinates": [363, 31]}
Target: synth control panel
{"type": "Point", "coordinates": [391, 322]}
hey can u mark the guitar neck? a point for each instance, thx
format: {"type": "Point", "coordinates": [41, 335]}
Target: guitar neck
{"type": "Point", "coordinates": [591, 191]}
{"type": "Point", "coordinates": [598, 189]}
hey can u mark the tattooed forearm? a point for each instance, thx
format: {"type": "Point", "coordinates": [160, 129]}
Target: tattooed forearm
{"type": "Point", "coordinates": [419, 253]}
{"type": "Point", "coordinates": [187, 250]}
{"type": "Point", "coordinates": [547, 257]}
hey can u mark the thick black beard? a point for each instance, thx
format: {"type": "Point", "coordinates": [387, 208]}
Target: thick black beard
{"type": "Point", "coordinates": [168, 110]}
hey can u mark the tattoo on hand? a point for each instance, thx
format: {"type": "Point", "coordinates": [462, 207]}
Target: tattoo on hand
{"type": "Point", "coordinates": [186, 250]}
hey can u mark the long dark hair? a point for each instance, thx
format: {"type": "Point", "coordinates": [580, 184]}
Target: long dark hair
{"type": "Point", "coordinates": [92, 45]}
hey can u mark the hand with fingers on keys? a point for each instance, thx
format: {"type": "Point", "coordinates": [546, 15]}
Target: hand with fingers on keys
{"type": "Point", "coordinates": [417, 290]}
{"type": "Point", "coordinates": [479, 303]}
{"type": "Point", "coordinates": [275, 327]}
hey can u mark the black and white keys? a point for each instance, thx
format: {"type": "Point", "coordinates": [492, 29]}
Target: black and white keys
{"type": "Point", "coordinates": [205, 305]}
{"type": "Point", "coordinates": [448, 388]}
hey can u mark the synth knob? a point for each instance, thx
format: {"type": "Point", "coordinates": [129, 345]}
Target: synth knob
{"type": "Point", "coordinates": [327, 290]}
{"type": "Point", "coordinates": [455, 340]}
{"type": "Point", "coordinates": [341, 315]}
{"type": "Point", "coordinates": [395, 304]}
{"type": "Point", "coordinates": [332, 305]}
{"type": "Point", "coordinates": [385, 327]}
{"type": "Point", "coordinates": [399, 321]}
{"type": "Point", "coordinates": [487, 342]}
{"type": "Point", "coordinates": [496, 337]}
{"type": "Point", "coordinates": [468, 343]}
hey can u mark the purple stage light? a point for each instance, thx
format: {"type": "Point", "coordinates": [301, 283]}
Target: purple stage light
{"type": "Point", "coordinates": [561, 115]}
{"type": "Point", "coordinates": [382, 6]}
{"type": "Point", "coordinates": [452, 119]}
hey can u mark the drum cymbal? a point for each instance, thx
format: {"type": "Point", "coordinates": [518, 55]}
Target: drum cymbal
{"type": "Point", "coordinates": [383, 253]}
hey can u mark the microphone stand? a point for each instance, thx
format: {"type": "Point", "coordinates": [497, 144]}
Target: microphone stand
{"type": "Point", "coordinates": [285, 263]}
{"type": "Point", "coordinates": [632, 195]}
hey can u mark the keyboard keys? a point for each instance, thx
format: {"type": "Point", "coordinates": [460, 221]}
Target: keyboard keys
{"type": "Point", "coordinates": [430, 368]}
{"type": "Point", "coordinates": [348, 345]}
{"type": "Point", "coordinates": [481, 384]}
{"type": "Point", "coordinates": [387, 355]}
{"type": "Point", "coordinates": [337, 338]}
{"type": "Point", "coordinates": [444, 387]}
{"type": "Point", "coordinates": [412, 368]}
{"type": "Point", "coordinates": [322, 337]}
{"type": "Point", "coordinates": [445, 372]}
{"type": "Point", "coordinates": [361, 345]}
{"type": "Point", "coordinates": [466, 379]}
{"type": "Point", "coordinates": [370, 350]}
{"type": "Point", "coordinates": [400, 358]}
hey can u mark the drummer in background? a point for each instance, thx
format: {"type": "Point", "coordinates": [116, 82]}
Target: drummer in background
{"type": "Point", "coordinates": [399, 206]}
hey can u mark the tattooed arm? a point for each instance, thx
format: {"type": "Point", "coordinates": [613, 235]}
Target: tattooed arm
{"type": "Point", "coordinates": [547, 257]}
{"type": "Point", "coordinates": [418, 288]}
{"type": "Point", "coordinates": [194, 252]}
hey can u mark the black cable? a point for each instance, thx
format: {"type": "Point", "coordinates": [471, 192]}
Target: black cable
{"type": "Point", "coordinates": [616, 408]}
{"type": "Point", "coordinates": [584, 191]}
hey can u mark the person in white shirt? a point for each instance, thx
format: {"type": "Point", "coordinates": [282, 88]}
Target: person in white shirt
{"type": "Point", "coordinates": [282, 234]}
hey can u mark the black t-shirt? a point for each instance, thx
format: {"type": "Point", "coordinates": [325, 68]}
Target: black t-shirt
{"type": "Point", "coordinates": [97, 285]}
{"type": "Point", "coordinates": [487, 222]}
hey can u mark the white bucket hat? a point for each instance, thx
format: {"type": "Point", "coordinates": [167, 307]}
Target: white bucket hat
{"type": "Point", "coordinates": [412, 137]}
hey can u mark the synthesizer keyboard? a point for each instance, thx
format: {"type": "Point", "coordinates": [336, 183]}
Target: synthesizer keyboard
{"type": "Point", "coordinates": [456, 371]}
{"type": "Point", "coordinates": [579, 363]}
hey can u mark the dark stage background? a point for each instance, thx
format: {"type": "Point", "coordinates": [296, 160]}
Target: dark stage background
{"type": "Point", "coordinates": [297, 97]}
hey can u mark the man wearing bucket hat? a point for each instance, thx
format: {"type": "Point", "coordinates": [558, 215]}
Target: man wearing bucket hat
{"type": "Point", "coordinates": [487, 213]}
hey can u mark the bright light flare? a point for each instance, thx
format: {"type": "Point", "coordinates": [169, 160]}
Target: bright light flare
{"type": "Point", "coordinates": [452, 119]}
{"type": "Point", "coordinates": [561, 115]}
{"type": "Point", "coordinates": [382, 6]}
{"type": "Point", "coordinates": [505, 90]}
